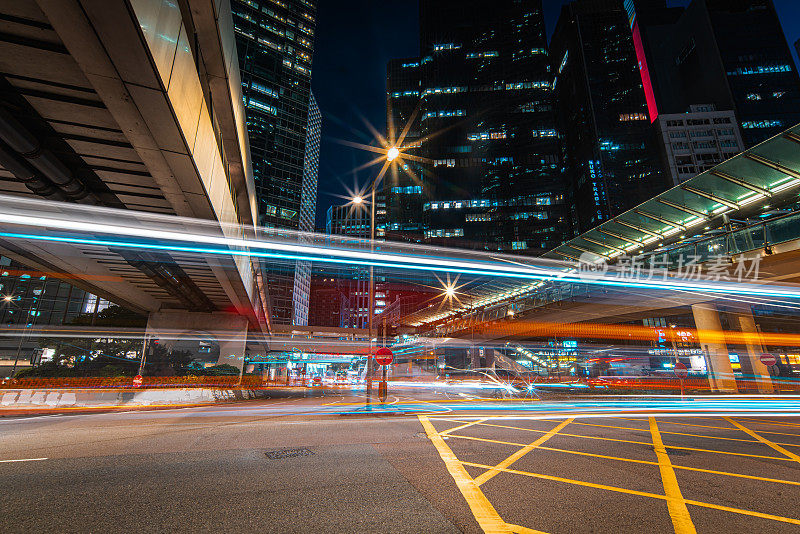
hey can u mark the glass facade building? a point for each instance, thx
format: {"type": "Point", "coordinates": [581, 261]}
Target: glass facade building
{"type": "Point", "coordinates": [353, 221]}
{"type": "Point", "coordinates": [308, 208]}
{"type": "Point", "coordinates": [733, 54]}
{"type": "Point", "coordinates": [31, 299]}
{"type": "Point", "coordinates": [401, 199]}
{"type": "Point", "coordinates": [480, 102]}
{"type": "Point", "coordinates": [275, 43]}
{"type": "Point", "coordinates": [610, 153]}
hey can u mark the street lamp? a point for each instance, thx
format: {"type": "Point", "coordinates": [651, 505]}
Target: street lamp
{"type": "Point", "coordinates": [391, 154]}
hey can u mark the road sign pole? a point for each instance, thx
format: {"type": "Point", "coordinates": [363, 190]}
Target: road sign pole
{"type": "Point", "coordinates": [144, 352]}
{"type": "Point", "coordinates": [383, 357]}
{"type": "Point", "coordinates": [681, 371]}
{"type": "Point", "coordinates": [383, 388]}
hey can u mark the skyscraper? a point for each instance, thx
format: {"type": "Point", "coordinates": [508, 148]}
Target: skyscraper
{"type": "Point", "coordinates": [275, 42]}
{"type": "Point", "coordinates": [347, 220]}
{"type": "Point", "coordinates": [401, 199]}
{"type": "Point", "coordinates": [484, 125]}
{"type": "Point", "coordinates": [733, 54]}
{"type": "Point", "coordinates": [610, 155]}
{"type": "Point", "coordinates": [308, 208]}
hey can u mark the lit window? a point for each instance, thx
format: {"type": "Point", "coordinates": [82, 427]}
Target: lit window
{"type": "Point", "coordinates": [627, 117]}
{"type": "Point", "coordinates": [762, 124]}
{"type": "Point", "coordinates": [479, 55]}
{"type": "Point", "coordinates": [252, 103]}
{"type": "Point", "coordinates": [445, 46]}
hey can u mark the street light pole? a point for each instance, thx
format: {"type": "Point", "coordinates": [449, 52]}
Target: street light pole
{"type": "Point", "coordinates": [391, 154]}
{"type": "Point", "coordinates": [371, 291]}
{"type": "Point", "coordinates": [24, 332]}
{"type": "Point", "coordinates": [472, 330]}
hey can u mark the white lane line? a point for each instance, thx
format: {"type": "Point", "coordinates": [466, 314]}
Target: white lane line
{"type": "Point", "coordinates": [23, 460]}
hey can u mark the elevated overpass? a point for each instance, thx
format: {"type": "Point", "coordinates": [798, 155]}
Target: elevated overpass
{"type": "Point", "coordinates": [744, 210]}
{"type": "Point", "coordinates": [132, 105]}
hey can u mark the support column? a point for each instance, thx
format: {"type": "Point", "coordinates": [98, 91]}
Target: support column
{"type": "Point", "coordinates": [759, 371]}
{"type": "Point", "coordinates": [712, 342]}
{"type": "Point", "coordinates": [229, 330]}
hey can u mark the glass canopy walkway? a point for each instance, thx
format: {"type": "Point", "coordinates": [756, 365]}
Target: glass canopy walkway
{"type": "Point", "coordinates": [762, 178]}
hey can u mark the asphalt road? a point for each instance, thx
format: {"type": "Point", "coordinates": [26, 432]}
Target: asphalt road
{"type": "Point", "coordinates": [256, 466]}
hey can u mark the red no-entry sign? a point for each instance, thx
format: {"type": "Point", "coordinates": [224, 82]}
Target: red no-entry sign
{"type": "Point", "coordinates": [768, 359]}
{"type": "Point", "coordinates": [383, 356]}
{"type": "Point", "coordinates": [681, 371]}
{"type": "Point", "coordinates": [137, 381]}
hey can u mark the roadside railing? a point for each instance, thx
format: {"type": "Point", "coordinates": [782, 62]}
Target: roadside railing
{"type": "Point", "coordinates": [223, 382]}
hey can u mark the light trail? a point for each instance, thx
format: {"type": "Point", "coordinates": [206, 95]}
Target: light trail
{"type": "Point", "coordinates": [282, 250]}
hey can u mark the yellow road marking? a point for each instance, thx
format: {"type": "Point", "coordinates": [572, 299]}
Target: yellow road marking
{"type": "Point", "coordinates": [782, 423]}
{"type": "Point", "coordinates": [664, 421]}
{"type": "Point", "coordinates": [681, 520]}
{"type": "Point", "coordinates": [770, 422]}
{"type": "Point", "coordinates": [764, 440]}
{"type": "Point", "coordinates": [672, 433]}
{"type": "Point", "coordinates": [460, 427]}
{"type": "Point", "coordinates": [516, 529]}
{"type": "Point", "coordinates": [687, 468]}
{"type": "Point", "coordinates": [616, 440]}
{"type": "Point", "coordinates": [642, 494]}
{"type": "Point", "coordinates": [487, 517]}
{"type": "Point", "coordinates": [483, 477]}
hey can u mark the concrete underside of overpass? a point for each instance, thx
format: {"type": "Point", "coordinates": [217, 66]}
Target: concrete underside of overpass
{"type": "Point", "coordinates": [603, 305]}
{"type": "Point", "coordinates": [105, 104]}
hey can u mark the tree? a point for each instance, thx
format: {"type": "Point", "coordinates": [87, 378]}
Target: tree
{"type": "Point", "coordinates": [111, 316]}
{"type": "Point", "coordinates": [162, 361]}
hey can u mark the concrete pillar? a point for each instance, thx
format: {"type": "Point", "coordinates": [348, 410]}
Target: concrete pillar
{"type": "Point", "coordinates": [229, 330]}
{"type": "Point", "coordinates": [709, 330]}
{"type": "Point", "coordinates": [753, 366]}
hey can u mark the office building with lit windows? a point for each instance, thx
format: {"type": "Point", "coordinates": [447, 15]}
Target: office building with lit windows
{"type": "Point", "coordinates": [308, 208]}
{"type": "Point", "coordinates": [348, 220]}
{"type": "Point", "coordinates": [484, 124]}
{"type": "Point", "coordinates": [398, 216]}
{"type": "Point", "coordinates": [696, 141]}
{"type": "Point", "coordinates": [610, 154]}
{"type": "Point", "coordinates": [275, 43]}
{"type": "Point", "coordinates": [30, 299]}
{"type": "Point", "coordinates": [733, 54]}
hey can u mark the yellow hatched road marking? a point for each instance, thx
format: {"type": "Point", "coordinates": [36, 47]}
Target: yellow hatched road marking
{"type": "Point", "coordinates": [673, 433]}
{"type": "Point", "coordinates": [487, 517]}
{"type": "Point", "coordinates": [764, 440]}
{"type": "Point", "coordinates": [686, 468]}
{"type": "Point", "coordinates": [663, 422]}
{"type": "Point", "coordinates": [483, 477]}
{"type": "Point", "coordinates": [516, 529]}
{"type": "Point", "coordinates": [642, 494]}
{"type": "Point", "coordinates": [681, 520]}
{"type": "Point", "coordinates": [770, 422]}
{"type": "Point", "coordinates": [615, 440]}
{"type": "Point", "coordinates": [444, 433]}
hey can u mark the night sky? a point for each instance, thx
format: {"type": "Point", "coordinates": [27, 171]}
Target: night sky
{"type": "Point", "coordinates": [354, 41]}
